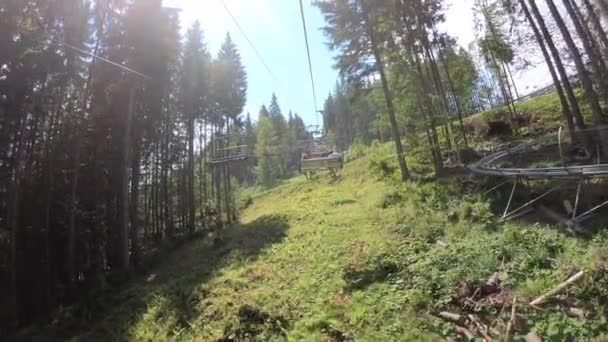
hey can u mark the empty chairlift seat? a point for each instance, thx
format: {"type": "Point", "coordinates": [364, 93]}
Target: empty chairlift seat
{"type": "Point", "coordinates": [231, 154]}
{"type": "Point", "coordinates": [320, 160]}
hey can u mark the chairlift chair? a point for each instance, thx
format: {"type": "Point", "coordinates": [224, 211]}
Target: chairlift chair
{"type": "Point", "coordinates": [320, 158]}
{"type": "Point", "coordinates": [231, 154]}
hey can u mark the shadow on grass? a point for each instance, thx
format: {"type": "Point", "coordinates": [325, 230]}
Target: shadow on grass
{"type": "Point", "coordinates": [379, 271]}
{"type": "Point", "coordinates": [175, 286]}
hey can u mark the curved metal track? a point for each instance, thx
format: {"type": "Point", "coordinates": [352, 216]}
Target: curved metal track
{"type": "Point", "coordinates": [484, 166]}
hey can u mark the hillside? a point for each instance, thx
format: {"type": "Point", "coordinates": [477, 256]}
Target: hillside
{"type": "Point", "coordinates": [361, 257]}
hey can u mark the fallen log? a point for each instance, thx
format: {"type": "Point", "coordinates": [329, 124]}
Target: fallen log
{"type": "Point", "coordinates": [466, 332]}
{"type": "Point", "coordinates": [511, 323]}
{"type": "Point", "coordinates": [449, 316]}
{"type": "Point", "coordinates": [482, 328]}
{"type": "Point", "coordinates": [558, 288]}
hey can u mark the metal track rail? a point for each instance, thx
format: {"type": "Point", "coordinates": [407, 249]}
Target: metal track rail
{"type": "Point", "coordinates": [580, 174]}
{"type": "Point", "coordinates": [484, 166]}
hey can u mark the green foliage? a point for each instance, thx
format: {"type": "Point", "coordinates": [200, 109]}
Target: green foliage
{"type": "Point", "coordinates": [269, 163]}
{"type": "Point", "coordinates": [390, 198]}
{"type": "Point", "coordinates": [365, 260]}
{"type": "Point", "coordinates": [355, 151]}
{"type": "Point", "coordinates": [383, 167]}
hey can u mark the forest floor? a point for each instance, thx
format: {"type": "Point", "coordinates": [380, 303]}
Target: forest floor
{"type": "Point", "coordinates": [361, 257]}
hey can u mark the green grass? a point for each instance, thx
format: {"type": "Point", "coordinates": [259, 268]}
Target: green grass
{"type": "Point", "coordinates": [362, 257]}
{"type": "Point", "coordinates": [541, 114]}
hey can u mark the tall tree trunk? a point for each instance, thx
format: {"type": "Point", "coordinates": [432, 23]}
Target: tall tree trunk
{"type": "Point", "coordinates": [459, 110]}
{"type": "Point", "coordinates": [510, 92]}
{"type": "Point", "coordinates": [201, 174]}
{"type": "Point", "coordinates": [512, 81]}
{"type": "Point", "coordinates": [50, 186]}
{"type": "Point", "coordinates": [428, 112]}
{"type": "Point", "coordinates": [121, 260]}
{"type": "Point", "coordinates": [596, 110]}
{"type": "Point", "coordinates": [148, 181]}
{"type": "Point", "coordinates": [558, 87]}
{"type": "Point", "coordinates": [71, 248]}
{"type": "Point", "coordinates": [579, 122]}
{"type": "Point", "coordinates": [598, 66]}
{"type": "Point", "coordinates": [603, 4]}
{"type": "Point", "coordinates": [134, 204]}
{"type": "Point", "coordinates": [165, 180]}
{"type": "Point", "coordinates": [217, 174]}
{"type": "Point", "coordinates": [204, 165]}
{"type": "Point", "coordinates": [586, 82]}
{"type": "Point", "coordinates": [190, 179]}
{"type": "Point", "coordinates": [388, 97]}
{"type": "Point", "coordinates": [506, 90]}
{"type": "Point", "coordinates": [227, 185]}
{"type": "Point", "coordinates": [13, 210]}
{"type": "Point", "coordinates": [441, 91]}
{"type": "Point", "coordinates": [597, 24]}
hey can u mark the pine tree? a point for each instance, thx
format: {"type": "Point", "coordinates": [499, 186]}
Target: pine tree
{"type": "Point", "coordinates": [353, 29]}
{"type": "Point", "coordinates": [281, 132]}
{"type": "Point", "coordinates": [194, 98]}
{"type": "Point", "coordinates": [230, 94]}
{"type": "Point", "coordinates": [264, 152]}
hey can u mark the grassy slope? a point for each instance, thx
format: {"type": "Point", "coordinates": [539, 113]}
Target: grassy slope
{"type": "Point", "coordinates": [546, 108]}
{"type": "Point", "coordinates": [362, 258]}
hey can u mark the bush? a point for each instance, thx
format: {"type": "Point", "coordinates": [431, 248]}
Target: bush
{"type": "Point", "coordinates": [390, 198]}
{"type": "Point", "coordinates": [383, 166]}
{"type": "Point", "coordinates": [357, 150]}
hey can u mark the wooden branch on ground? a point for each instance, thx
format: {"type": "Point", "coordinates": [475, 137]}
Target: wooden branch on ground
{"type": "Point", "coordinates": [511, 323]}
{"type": "Point", "coordinates": [558, 288]}
{"type": "Point", "coordinates": [466, 332]}
{"type": "Point", "coordinates": [483, 330]}
{"type": "Point", "coordinates": [452, 317]}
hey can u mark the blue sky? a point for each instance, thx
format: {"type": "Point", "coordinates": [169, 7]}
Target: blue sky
{"type": "Point", "coordinates": [275, 28]}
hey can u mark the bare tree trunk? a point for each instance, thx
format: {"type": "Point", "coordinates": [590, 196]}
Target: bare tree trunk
{"type": "Point", "coordinates": [455, 97]}
{"type": "Point", "coordinates": [579, 122]}
{"type": "Point", "coordinates": [165, 179]}
{"type": "Point", "coordinates": [509, 92]}
{"type": "Point", "coordinates": [217, 173]}
{"type": "Point", "coordinates": [205, 156]}
{"type": "Point", "coordinates": [201, 175]}
{"type": "Point", "coordinates": [512, 80]}
{"type": "Point", "coordinates": [598, 66]}
{"type": "Point", "coordinates": [13, 209]}
{"type": "Point", "coordinates": [134, 205]}
{"type": "Point", "coordinates": [149, 184]}
{"type": "Point", "coordinates": [580, 65]}
{"type": "Point", "coordinates": [189, 184]}
{"type": "Point", "coordinates": [388, 97]}
{"type": "Point", "coordinates": [227, 186]}
{"type": "Point", "coordinates": [451, 143]}
{"type": "Point", "coordinates": [50, 186]}
{"type": "Point", "coordinates": [506, 90]}
{"type": "Point", "coordinates": [558, 87]}
{"type": "Point", "coordinates": [428, 113]}
{"type": "Point", "coordinates": [71, 248]}
{"type": "Point", "coordinates": [597, 24]}
{"type": "Point", "coordinates": [121, 265]}
{"type": "Point", "coordinates": [596, 110]}
{"type": "Point", "coordinates": [603, 4]}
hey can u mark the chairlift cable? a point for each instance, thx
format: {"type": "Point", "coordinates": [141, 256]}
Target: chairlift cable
{"type": "Point", "coordinates": [312, 80]}
{"type": "Point", "coordinates": [118, 65]}
{"type": "Point", "coordinates": [255, 50]}
{"type": "Point", "coordinates": [56, 43]}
